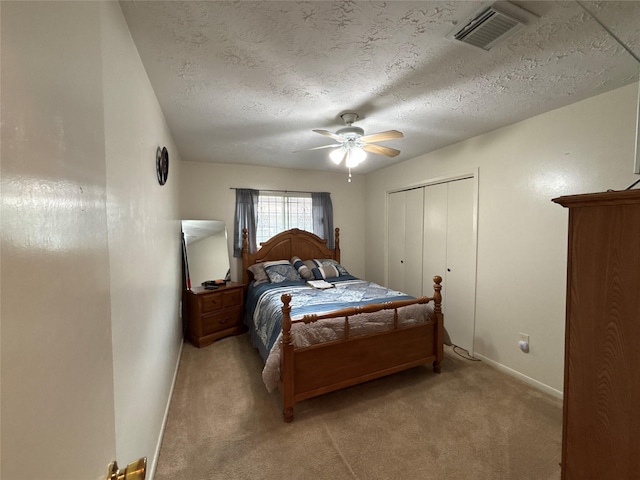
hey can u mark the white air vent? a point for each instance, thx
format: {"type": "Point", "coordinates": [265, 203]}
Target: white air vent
{"type": "Point", "coordinates": [491, 25]}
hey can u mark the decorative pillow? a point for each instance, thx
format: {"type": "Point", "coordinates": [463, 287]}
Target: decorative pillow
{"type": "Point", "coordinates": [328, 271]}
{"type": "Point", "coordinates": [259, 273]}
{"type": "Point", "coordinates": [304, 268]}
{"type": "Point", "coordinates": [329, 262]}
{"type": "Point", "coordinates": [281, 271]}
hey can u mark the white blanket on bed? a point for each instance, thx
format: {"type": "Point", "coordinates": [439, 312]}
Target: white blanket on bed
{"type": "Point", "coordinates": [304, 335]}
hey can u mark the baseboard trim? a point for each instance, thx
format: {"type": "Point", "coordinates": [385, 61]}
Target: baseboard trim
{"type": "Point", "coordinates": [154, 464]}
{"type": "Point", "coordinates": [520, 376]}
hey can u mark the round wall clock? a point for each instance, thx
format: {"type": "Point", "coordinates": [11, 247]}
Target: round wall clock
{"type": "Point", "coordinates": [162, 165]}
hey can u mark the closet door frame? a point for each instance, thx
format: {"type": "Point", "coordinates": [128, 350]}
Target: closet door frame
{"type": "Point", "coordinates": [461, 175]}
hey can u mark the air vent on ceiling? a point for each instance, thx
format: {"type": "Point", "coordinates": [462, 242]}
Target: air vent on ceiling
{"type": "Point", "coordinates": [491, 25]}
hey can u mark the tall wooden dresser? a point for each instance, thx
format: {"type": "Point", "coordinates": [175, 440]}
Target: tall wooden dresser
{"type": "Point", "coordinates": [214, 314]}
{"type": "Point", "coordinates": [601, 418]}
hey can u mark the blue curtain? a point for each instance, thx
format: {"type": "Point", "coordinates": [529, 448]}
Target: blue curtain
{"type": "Point", "coordinates": [246, 208]}
{"type": "Point", "coordinates": [322, 214]}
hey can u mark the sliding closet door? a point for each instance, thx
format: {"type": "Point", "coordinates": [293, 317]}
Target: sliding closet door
{"type": "Point", "coordinates": [395, 233]}
{"type": "Point", "coordinates": [435, 235]}
{"type": "Point", "coordinates": [405, 220]}
{"type": "Point", "coordinates": [432, 232]}
{"type": "Point", "coordinates": [449, 251]}
{"type": "Point", "coordinates": [413, 226]}
{"type": "Point", "coordinates": [460, 283]}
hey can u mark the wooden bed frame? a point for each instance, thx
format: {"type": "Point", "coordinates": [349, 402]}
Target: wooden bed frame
{"type": "Point", "coordinates": [318, 369]}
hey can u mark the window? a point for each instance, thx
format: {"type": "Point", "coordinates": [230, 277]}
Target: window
{"type": "Point", "coordinates": [281, 211]}
{"type": "Point", "coordinates": [266, 213]}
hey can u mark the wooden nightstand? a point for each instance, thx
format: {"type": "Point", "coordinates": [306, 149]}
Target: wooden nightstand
{"type": "Point", "coordinates": [214, 314]}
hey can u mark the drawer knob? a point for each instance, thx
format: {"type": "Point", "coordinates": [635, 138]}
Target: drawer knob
{"type": "Point", "coordinates": [224, 320]}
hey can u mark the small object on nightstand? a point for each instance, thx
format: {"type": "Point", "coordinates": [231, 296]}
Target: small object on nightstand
{"type": "Point", "coordinates": [210, 284]}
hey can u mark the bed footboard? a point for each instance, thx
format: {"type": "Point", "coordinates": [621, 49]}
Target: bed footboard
{"type": "Point", "coordinates": [311, 371]}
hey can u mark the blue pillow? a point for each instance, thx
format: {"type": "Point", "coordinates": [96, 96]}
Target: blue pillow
{"type": "Point", "coordinates": [321, 273]}
{"type": "Point", "coordinates": [303, 268]}
{"type": "Point", "coordinates": [281, 271]}
{"type": "Point", "coordinates": [329, 262]}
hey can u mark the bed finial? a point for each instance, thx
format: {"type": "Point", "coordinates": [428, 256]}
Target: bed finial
{"type": "Point", "coordinates": [286, 318]}
{"type": "Point", "coordinates": [286, 360]}
{"type": "Point", "coordinates": [245, 241]}
{"type": "Point", "coordinates": [245, 256]}
{"type": "Point", "coordinates": [437, 296]}
{"type": "Point", "coordinates": [439, 337]}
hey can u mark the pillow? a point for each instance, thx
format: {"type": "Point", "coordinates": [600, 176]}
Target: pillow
{"type": "Point", "coordinates": [329, 262]}
{"type": "Point", "coordinates": [281, 271]}
{"type": "Point", "coordinates": [304, 268]}
{"type": "Point", "coordinates": [321, 273]}
{"type": "Point", "coordinates": [259, 273]}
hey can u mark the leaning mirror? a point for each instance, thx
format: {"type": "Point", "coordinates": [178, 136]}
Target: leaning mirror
{"type": "Point", "coordinates": [205, 251]}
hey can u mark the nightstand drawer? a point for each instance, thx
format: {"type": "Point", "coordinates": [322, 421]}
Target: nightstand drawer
{"type": "Point", "coordinates": [221, 321]}
{"type": "Point", "coordinates": [211, 302]}
{"type": "Point", "coordinates": [232, 298]}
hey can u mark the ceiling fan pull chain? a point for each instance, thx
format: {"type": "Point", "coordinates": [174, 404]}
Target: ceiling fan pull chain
{"type": "Point", "coordinates": [349, 174]}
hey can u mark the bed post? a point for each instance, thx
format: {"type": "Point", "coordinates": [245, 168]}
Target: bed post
{"type": "Point", "coordinates": [437, 309]}
{"type": "Point", "coordinates": [245, 256]}
{"type": "Point", "coordinates": [286, 361]}
{"type": "Point", "coordinates": [337, 245]}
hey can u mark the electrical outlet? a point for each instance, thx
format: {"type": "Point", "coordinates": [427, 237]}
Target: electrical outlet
{"type": "Point", "coordinates": [523, 342]}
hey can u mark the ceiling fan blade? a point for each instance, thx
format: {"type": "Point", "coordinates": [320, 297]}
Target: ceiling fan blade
{"type": "Point", "coordinates": [335, 145]}
{"type": "Point", "coordinates": [379, 137]}
{"type": "Point", "coordinates": [380, 150]}
{"type": "Point", "coordinates": [327, 133]}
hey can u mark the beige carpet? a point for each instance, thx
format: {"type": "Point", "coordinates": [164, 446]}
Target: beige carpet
{"type": "Point", "coordinates": [469, 422]}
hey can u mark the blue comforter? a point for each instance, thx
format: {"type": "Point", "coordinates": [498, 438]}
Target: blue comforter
{"type": "Point", "coordinates": [264, 307]}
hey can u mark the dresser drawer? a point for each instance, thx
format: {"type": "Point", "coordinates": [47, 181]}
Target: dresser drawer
{"type": "Point", "coordinates": [221, 321]}
{"type": "Point", "coordinates": [211, 302]}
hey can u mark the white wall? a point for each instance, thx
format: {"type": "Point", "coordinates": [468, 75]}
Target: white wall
{"type": "Point", "coordinates": [522, 235]}
{"type": "Point", "coordinates": [90, 245]}
{"type": "Point", "coordinates": [57, 370]}
{"type": "Point", "coordinates": [205, 193]}
{"type": "Point", "coordinates": [144, 244]}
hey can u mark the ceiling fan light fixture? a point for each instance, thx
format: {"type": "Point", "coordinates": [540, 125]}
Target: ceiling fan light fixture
{"type": "Point", "coordinates": [352, 144]}
{"type": "Point", "coordinates": [355, 157]}
{"type": "Point", "coordinates": [337, 155]}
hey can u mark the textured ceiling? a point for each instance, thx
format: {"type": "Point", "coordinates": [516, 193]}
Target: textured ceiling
{"type": "Point", "coordinates": [246, 82]}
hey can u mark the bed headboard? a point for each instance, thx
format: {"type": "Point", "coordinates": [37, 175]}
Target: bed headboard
{"type": "Point", "coordinates": [284, 245]}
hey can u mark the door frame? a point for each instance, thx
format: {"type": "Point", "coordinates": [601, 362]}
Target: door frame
{"type": "Point", "coordinates": [473, 173]}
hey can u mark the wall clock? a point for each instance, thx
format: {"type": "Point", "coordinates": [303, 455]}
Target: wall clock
{"type": "Point", "coordinates": [162, 165]}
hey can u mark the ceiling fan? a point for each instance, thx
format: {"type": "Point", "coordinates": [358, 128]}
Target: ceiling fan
{"type": "Point", "coordinates": [353, 143]}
